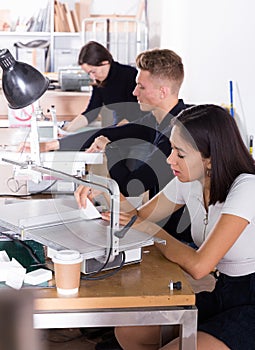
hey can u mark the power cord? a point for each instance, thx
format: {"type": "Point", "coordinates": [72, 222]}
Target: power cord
{"type": "Point", "coordinates": [30, 251]}
{"type": "Point", "coordinates": [105, 275]}
{"type": "Point", "coordinates": [29, 194]}
{"type": "Point", "coordinates": [120, 234]}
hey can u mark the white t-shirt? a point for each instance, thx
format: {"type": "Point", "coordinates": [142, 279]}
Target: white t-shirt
{"type": "Point", "coordinates": [240, 201]}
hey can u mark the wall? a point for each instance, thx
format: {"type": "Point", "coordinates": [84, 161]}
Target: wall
{"type": "Point", "coordinates": [216, 41]}
{"type": "Point", "coordinates": [154, 9]}
{"type": "Point", "coordinates": [102, 7]}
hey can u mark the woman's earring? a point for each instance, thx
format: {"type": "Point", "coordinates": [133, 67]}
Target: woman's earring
{"type": "Point", "coordinates": [208, 172]}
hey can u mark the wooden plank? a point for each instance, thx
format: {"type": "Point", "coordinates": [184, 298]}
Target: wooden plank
{"type": "Point", "coordinates": [76, 22]}
{"type": "Point", "coordinates": [68, 17]}
{"type": "Point", "coordinates": [65, 22]}
{"type": "Point", "coordinates": [58, 17]}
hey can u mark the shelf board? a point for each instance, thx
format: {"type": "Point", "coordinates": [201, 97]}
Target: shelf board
{"type": "Point", "coordinates": [3, 33]}
{"type": "Point", "coordinates": [66, 33]}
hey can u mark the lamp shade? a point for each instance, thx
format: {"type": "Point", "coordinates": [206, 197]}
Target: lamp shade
{"type": "Point", "coordinates": [22, 84]}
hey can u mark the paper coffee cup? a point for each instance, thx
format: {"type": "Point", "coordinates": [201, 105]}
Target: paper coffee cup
{"type": "Point", "coordinates": [67, 267]}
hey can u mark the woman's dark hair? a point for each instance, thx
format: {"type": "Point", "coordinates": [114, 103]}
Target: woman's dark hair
{"type": "Point", "coordinates": [94, 54]}
{"type": "Point", "coordinates": [216, 136]}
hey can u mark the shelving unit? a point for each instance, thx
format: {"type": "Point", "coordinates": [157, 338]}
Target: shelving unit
{"type": "Point", "coordinates": [63, 46]}
{"type": "Point", "coordinates": [124, 36]}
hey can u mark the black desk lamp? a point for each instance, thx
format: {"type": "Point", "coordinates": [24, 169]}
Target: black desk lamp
{"type": "Point", "coordinates": [22, 84]}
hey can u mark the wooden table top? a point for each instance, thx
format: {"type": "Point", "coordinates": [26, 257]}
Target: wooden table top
{"type": "Point", "coordinates": [144, 284]}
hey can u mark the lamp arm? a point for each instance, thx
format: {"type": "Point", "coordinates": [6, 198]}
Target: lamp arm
{"type": "Point", "coordinates": [101, 183]}
{"type": "Point", "coordinates": [114, 193]}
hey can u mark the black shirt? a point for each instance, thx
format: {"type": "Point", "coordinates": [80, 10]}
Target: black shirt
{"type": "Point", "coordinates": [116, 93]}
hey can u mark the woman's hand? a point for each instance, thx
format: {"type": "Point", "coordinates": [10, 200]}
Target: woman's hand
{"type": "Point", "coordinates": [81, 194]}
{"type": "Point", "coordinates": [124, 218]}
{"type": "Point", "coordinates": [98, 145]}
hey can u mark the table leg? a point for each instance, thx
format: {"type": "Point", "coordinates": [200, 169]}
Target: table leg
{"type": "Point", "coordinates": [188, 330]}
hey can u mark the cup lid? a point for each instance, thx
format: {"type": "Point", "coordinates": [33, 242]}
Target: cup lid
{"type": "Point", "coordinates": [67, 257]}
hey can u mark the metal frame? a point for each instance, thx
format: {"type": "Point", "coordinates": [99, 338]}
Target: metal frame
{"type": "Point", "coordinates": [186, 317]}
{"type": "Point", "coordinates": [124, 37]}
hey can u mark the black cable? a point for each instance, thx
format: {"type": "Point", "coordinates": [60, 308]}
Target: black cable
{"type": "Point", "coordinates": [19, 187]}
{"type": "Point", "coordinates": [45, 189]}
{"type": "Point", "coordinates": [90, 276]}
{"type": "Point", "coordinates": [15, 195]}
{"type": "Point", "coordinates": [106, 275]}
{"type": "Point", "coordinates": [30, 251]}
{"type": "Point", "coordinates": [31, 194]}
{"type": "Point", "coordinates": [120, 234]}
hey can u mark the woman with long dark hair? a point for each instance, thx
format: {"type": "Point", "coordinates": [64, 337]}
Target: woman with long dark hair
{"type": "Point", "coordinates": [215, 179]}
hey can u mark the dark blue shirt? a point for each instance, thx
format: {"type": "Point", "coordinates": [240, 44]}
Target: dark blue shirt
{"type": "Point", "coordinates": [147, 169]}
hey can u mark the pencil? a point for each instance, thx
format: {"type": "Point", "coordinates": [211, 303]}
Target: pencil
{"type": "Point", "coordinates": [231, 98]}
{"type": "Point", "coordinates": [251, 145]}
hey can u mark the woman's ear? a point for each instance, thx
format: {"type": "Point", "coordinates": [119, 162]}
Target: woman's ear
{"type": "Point", "coordinates": [208, 163]}
{"type": "Point", "coordinates": [208, 166]}
{"type": "Point", "coordinates": [103, 63]}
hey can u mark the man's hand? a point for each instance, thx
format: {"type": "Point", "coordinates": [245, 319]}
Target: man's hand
{"type": "Point", "coordinates": [98, 145]}
{"type": "Point", "coordinates": [62, 133]}
{"type": "Point", "coordinates": [24, 147]}
{"type": "Point", "coordinates": [77, 123]}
